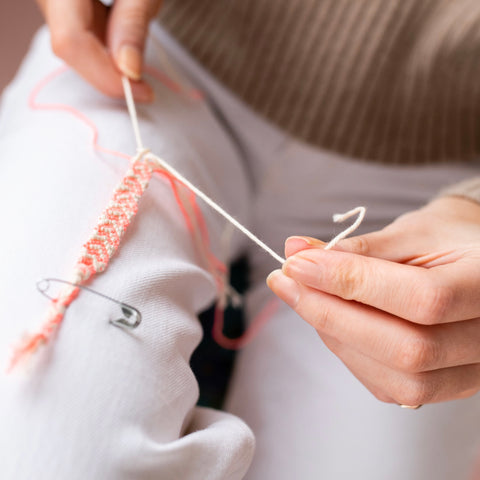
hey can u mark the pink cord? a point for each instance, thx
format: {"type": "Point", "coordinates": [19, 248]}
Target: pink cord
{"type": "Point", "coordinates": [251, 333]}
{"type": "Point", "coordinates": [193, 94]}
{"type": "Point", "coordinates": [34, 105]}
{"type": "Point", "coordinates": [105, 240]}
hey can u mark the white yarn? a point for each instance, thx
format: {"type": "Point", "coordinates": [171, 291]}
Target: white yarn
{"type": "Point", "coordinates": [133, 112]}
{"type": "Point", "coordinates": [157, 161]}
{"type": "Point", "coordinates": [341, 217]}
{"type": "Point", "coordinates": [160, 162]}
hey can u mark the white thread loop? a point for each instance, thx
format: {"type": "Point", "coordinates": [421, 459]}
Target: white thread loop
{"type": "Point", "coordinates": [341, 217]}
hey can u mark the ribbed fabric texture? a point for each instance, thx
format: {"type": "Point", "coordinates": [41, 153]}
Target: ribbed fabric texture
{"type": "Point", "coordinates": [393, 81]}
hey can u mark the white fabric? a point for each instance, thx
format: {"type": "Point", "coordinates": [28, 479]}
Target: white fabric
{"type": "Point", "coordinates": [105, 403]}
{"type": "Point", "coordinates": [108, 404]}
{"type": "Point", "coordinates": [311, 418]}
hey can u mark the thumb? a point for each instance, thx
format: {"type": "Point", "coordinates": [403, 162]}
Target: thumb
{"type": "Point", "coordinates": [127, 31]}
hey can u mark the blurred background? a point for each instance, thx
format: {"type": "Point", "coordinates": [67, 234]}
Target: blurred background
{"type": "Point", "coordinates": [19, 19]}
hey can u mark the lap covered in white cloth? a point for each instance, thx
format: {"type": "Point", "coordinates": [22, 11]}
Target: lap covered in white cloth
{"type": "Point", "coordinates": [312, 419]}
{"type": "Point", "coordinates": [102, 402]}
{"type": "Point", "coordinates": [108, 404]}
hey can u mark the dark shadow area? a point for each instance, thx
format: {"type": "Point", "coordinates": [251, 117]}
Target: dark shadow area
{"type": "Point", "coordinates": [212, 364]}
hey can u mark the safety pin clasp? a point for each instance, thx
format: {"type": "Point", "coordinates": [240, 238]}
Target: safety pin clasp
{"type": "Point", "coordinates": [132, 319]}
{"type": "Point", "coordinates": [131, 316]}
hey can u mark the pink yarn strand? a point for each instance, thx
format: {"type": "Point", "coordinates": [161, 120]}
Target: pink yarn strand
{"type": "Point", "coordinates": [96, 253]}
{"type": "Point", "coordinates": [250, 334]}
{"type": "Point", "coordinates": [107, 235]}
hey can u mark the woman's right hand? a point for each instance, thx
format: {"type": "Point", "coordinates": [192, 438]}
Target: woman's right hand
{"type": "Point", "coordinates": [102, 43]}
{"type": "Point", "coordinates": [399, 306]}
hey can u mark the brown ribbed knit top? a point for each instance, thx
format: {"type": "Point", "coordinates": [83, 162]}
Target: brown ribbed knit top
{"type": "Point", "coordinates": [394, 81]}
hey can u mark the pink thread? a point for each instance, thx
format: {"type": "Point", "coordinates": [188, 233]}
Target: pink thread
{"type": "Point", "coordinates": [258, 323]}
{"type": "Point", "coordinates": [96, 252]}
{"type": "Point", "coordinates": [160, 76]}
{"type": "Point", "coordinates": [34, 105]}
{"type": "Point", "coordinates": [186, 216]}
{"type": "Point", "coordinates": [193, 94]}
{"type": "Point", "coordinates": [113, 223]}
{"type": "Point", "coordinates": [216, 266]}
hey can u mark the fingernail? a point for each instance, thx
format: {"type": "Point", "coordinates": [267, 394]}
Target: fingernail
{"type": "Point", "coordinates": [309, 241]}
{"type": "Point", "coordinates": [129, 60]}
{"type": "Point", "coordinates": [297, 243]}
{"type": "Point", "coordinates": [301, 243]}
{"type": "Point", "coordinates": [286, 288]}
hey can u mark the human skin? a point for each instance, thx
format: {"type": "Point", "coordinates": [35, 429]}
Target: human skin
{"type": "Point", "coordinates": [400, 307]}
{"type": "Point", "coordinates": [102, 43]}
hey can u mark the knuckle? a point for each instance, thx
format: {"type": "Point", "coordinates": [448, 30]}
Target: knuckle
{"type": "Point", "coordinates": [417, 353]}
{"type": "Point", "coordinates": [133, 26]}
{"type": "Point", "coordinates": [417, 391]}
{"type": "Point", "coordinates": [136, 15]}
{"type": "Point", "coordinates": [359, 245]}
{"type": "Point", "coordinates": [348, 279]}
{"type": "Point", "coordinates": [433, 303]}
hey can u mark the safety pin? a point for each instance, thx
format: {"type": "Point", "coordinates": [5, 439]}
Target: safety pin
{"type": "Point", "coordinates": [132, 319]}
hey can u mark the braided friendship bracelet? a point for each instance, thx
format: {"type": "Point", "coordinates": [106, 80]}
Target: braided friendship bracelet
{"type": "Point", "coordinates": [96, 252]}
{"type": "Point", "coordinates": [116, 218]}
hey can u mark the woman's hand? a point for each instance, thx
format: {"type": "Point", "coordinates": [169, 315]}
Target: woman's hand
{"type": "Point", "coordinates": [102, 43]}
{"type": "Point", "coordinates": [400, 307]}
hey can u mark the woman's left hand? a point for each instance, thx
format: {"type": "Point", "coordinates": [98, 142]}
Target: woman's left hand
{"type": "Point", "coordinates": [101, 43]}
{"type": "Point", "coordinates": [400, 307]}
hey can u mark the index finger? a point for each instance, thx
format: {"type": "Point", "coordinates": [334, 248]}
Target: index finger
{"type": "Point", "coordinates": [442, 294]}
{"type": "Point", "coordinates": [73, 25]}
